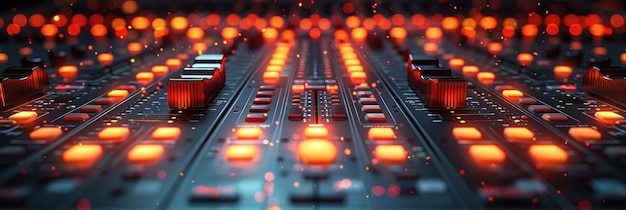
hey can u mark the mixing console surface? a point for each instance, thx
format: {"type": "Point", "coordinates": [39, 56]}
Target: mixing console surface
{"type": "Point", "coordinates": [449, 104]}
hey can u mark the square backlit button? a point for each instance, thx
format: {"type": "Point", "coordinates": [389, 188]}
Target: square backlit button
{"type": "Point", "coordinates": [487, 154]}
{"type": "Point", "coordinates": [518, 134]}
{"type": "Point", "coordinates": [467, 134]}
{"type": "Point", "coordinates": [381, 134]}
{"type": "Point", "coordinates": [608, 117]}
{"type": "Point", "coordinates": [250, 133]}
{"type": "Point", "coordinates": [548, 154]}
{"type": "Point", "coordinates": [166, 133]}
{"type": "Point", "coordinates": [316, 132]}
{"type": "Point", "coordinates": [317, 152]}
{"type": "Point", "coordinates": [46, 133]}
{"type": "Point", "coordinates": [82, 154]}
{"type": "Point", "coordinates": [240, 152]}
{"type": "Point", "coordinates": [114, 134]}
{"type": "Point", "coordinates": [23, 117]}
{"type": "Point", "coordinates": [145, 153]}
{"type": "Point", "coordinates": [391, 154]}
{"type": "Point", "coordinates": [584, 134]}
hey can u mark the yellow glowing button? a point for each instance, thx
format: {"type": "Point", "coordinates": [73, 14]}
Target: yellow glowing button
{"type": "Point", "coordinates": [608, 117]}
{"type": "Point", "coordinates": [279, 62]}
{"type": "Point", "coordinates": [166, 133]}
{"type": "Point", "coordinates": [584, 134]}
{"type": "Point", "coordinates": [470, 71]}
{"type": "Point", "coordinates": [46, 133]}
{"type": "Point", "coordinates": [23, 117]}
{"type": "Point", "coordinates": [68, 72]}
{"type": "Point", "coordinates": [466, 133]}
{"type": "Point", "coordinates": [240, 152]}
{"type": "Point", "coordinates": [456, 63]}
{"type": "Point", "coordinates": [297, 88]}
{"type": "Point", "coordinates": [512, 95]}
{"type": "Point", "coordinates": [354, 68]}
{"type": "Point", "coordinates": [525, 59]}
{"type": "Point", "coordinates": [348, 55]}
{"type": "Point", "coordinates": [105, 59]}
{"type": "Point", "coordinates": [547, 154]}
{"type": "Point", "coordinates": [518, 134]}
{"type": "Point", "coordinates": [316, 132]}
{"type": "Point", "coordinates": [117, 94]}
{"type": "Point", "coordinates": [487, 154]}
{"type": "Point", "coordinates": [275, 68]}
{"type": "Point", "coordinates": [81, 154]}
{"type": "Point", "coordinates": [251, 133]}
{"type": "Point", "coordinates": [144, 78]}
{"type": "Point", "coordinates": [173, 63]}
{"type": "Point", "coordinates": [271, 77]}
{"type": "Point", "coordinates": [145, 153]}
{"type": "Point", "coordinates": [392, 154]}
{"type": "Point", "coordinates": [317, 152]}
{"type": "Point", "coordinates": [562, 71]}
{"type": "Point", "coordinates": [114, 133]}
{"type": "Point", "coordinates": [485, 78]}
{"type": "Point", "coordinates": [357, 77]}
{"type": "Point", "coordinates": [159, 71]}
{"type": "Point", "coordinates": [352, 62]}
{"type": "Point", "coordinates": [381, 134]}
{"type": "Point", "coordinates": [282, 56]}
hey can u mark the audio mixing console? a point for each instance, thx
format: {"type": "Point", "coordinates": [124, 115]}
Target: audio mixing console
{"type": "Point", "coordinates": [321, 104]}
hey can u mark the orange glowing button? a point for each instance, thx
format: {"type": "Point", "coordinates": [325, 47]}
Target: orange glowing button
{"type": "Point", "coordinates": [512, 95]}
{"type": "Point", "coordinates": [494, 48]}
{"type": "Point", "coordinates": [518, 134]}
{"type": "Point", "coordinates": [317, 152]}
{"type": "Point", "coordinates": [297, 88]}
{"type": "Point", "coordinates": [622, 58]}
{"type": "Point", "coordinates": [134, 47]}
{"type": "Point", "coordinates": [487, 154]}
{"type": "Point", "coordinates": [274, 68]}
{"type": "Point", "coordinates": [355, 69]}
{"type": "Point", "coordinates": [348, 55]}
{"type": "Point", "coordinates": [166, 133]}
{"type": "Point", "coordinates": [271, 77]}
{"type": "Point", "coordinates": [114, 134]}
{"type": "Point", "coordinates": [466, 133]}
{"type": "Point", "coordinates": [229, 33]}
{"type": "Point", "coordinates": [173, 63]}
{"type": "Point", "coordinates": [562, 71]}
{"type": "Point", "coordinates": [547, 154]}
{"type": "Point", "coordinates": [456, 63]}
{"type": "Point", "coordinates": [251, 133]}
{"type": "Point", "coordinates": [584, 134]}
{"type": "Point", "coordinates": [145, 153]}
{"type": "Point", "coordinates": [608, 117]}
{"type": "Point", "coordinates": [23, 117]}
{"type": "Point", "coordinates": [470, 71]}
{"type": "Point", "coordinates": [359, 34]}
{"type": "Point", "coordinates": [381, 134]}
{"type": "Point", "coordinates": [391, 154]}
{"type": "Point", "coordinates": [357, 77]}
{"type": "Point", "coordinates": [200, 47]}
{"type": "Point", "coordinates": [431, 48]}
{"type": "Point", "coordinates": [279, 62]}
{"type": "Point", "coordinates": [525, 59]}
{"type": "Point", "coordinates": [486, 78]}
{"type": "Point", "coordinates": [352, 62]}
{"type": "Point", "coordinates": [159, 71]}
{"type": "Point", "coordinates": [118, 94]}
{"type": "Point", "coordinates": [277, 55]}
{"type": "Point", "coordinates": [332, 88]}
{"type": "Point", "coordinates": [68, 72]}
{"type": "Point", "coordinates": [105, 59]}
{"type": "Point", "coordinates": [144, 78]}
{"type": "Point", "coordinates": [433, 33]}
{"type": "Point", "coordinates": [82, 154]}
{"type": "Point", "coordinates": [240, 152]}
{"type": "Point", "coordinates": [398, 33]}
{"type": "Point", "coordinates": [46, 133]}
{"type": "Point", "coordinates": [5, 57]}
{"type": "Point", "coordinates": [316, 132]}
{"type": "Point", "coordinates": [195, 33]}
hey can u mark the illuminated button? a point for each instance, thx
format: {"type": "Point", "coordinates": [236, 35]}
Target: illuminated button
{"type": "Point", "coordinates": [486, 78]}
{"type": "Point", "coordinates": [584, 134]}
{"type": "Point", "coordinates": [357, 77]}
{"type": "Point", "coordinates": [368, 101]}
{"type": "Point", "coordinates": [554, 117]}
{"type": "Point", "coordinates": [281, 56]}
{"type": "Point", "coordinates": [487, 154]}
{"type": "Point", "coordinates": [105, 59]}
{"type": "Point", "coordinates": [316, 132]}
{"type": "Point", "coordinates": [159, 71]}
{"type": "Point", "coordinates": [82, 154]}
{"type": "Point", "coordinates": [317, 152]}
{"type": "Point", "coordinates": [348, 55]}
{"type": "Point", "coordinates": [279, 62]}
{"type": "Point", "coordinates": [118, 94]}
{"type": "Point", "coordinates": [274, 68]}
{"type": "Point", "coordinates": [297, 88]}
{"type": "Point", "coordinates": [518, 134]}
{"type": "Point", "coordinates": [23, 117]}
{"type": "Point", "coordinates": [375, 117]}
{"type": "Point", "coordinates": [68, 73]}
{"type": "Point", "coordinates": [256, 117]}
{"type": "Point", "coordinates": [134, 47]}
{"type": "Point", "coordinates": [470, 71]}
{"type": "Point", "coordinates": [262, 100]}
{"type": "Point", "coordinates": [466, 133]}
{"type": "Point", "coordinates": [562, 71]}
{"type": "Point", "coordinates": [259, 108]}
{"type": "Point", "coordinates": [332, 88]}
{"type": "Point", "coordinates": [166, 133]}
{"type": "Point", "coordinates": [90, 108]}
{"type": "Point", "coordinates": [494, 48]}
{"type": "Point", "coordinates": [391, 154]}
{"type": "Point", "coordinates": [76, 117]}
{"type": "Point", "coordinates": [456, 63]}
{"type": "Point", "coordinates": [251, 133]}
{"type": "Point", "coordinates": [526, 101]}
{"type": "Point", "coordinates": [352, 62]}
{"type": "Point", "coordinates": [271, 77]}
{"type": "Point", "coordinates": [539, 108]}
{"type": "Point", "coordinates": [144, 78]}
{"type": "Point", "coordinates": [381, 134]}
{"type": "Point", "coordinates": [46, 133]}
{"type": "Point", "coordinates": [145, 153]}
{"type": "Point", "coordinates": [512, 95]}
{"type": "Point", "coordinates": [354, 69]}
{"type": "Point", "coordinates": [525, 59]}
{"type": "Point", "coordinates": [114, 134]}
{"type": "Point", "coordinates": [240, 152]}
{"type": "Point", "coordinates": [547, 155]}
{"type": "Point", "coordinates": [104, 101]}
{"type": "Point", "coordinates": [371, 109]}
{"type": "Point", "coordinates": [173, 63]}
{"type": "Point", "coordinates": [608, 117]}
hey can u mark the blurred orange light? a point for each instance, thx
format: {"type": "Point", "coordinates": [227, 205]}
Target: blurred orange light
{"type": "Point", "coordinates": [277, 21]}
{"type": "Point", "coordinates": [79, 19]}
{"type": "Point", "coordinates": [260, 23]}
{"type": "Point", "coordinates": [494, 48]}
{"type": "Point", "coordinates": [270, 34]}
{"type": "Point", "coordinates": [36, 20]}
{"type": "Point", "coordinates": [73, 30]}
{"type": "Point", "coordinates": [134, 47]}
{"type": "Point", "coordinates": [431, 48]}
{"type": "Point", "coordinates": [317, 152]}
{"type": "Point", "coordinates": [179, 23]}
{"type": "Point", "coordinates": [575, 29]}
{"type": "Point", "coordinates": [118, 24]}
{"type": "Point", "coordinates": [232, 19]}
{"type": "Point", "coordinates": [49, 30]}
{"type": "Point", "coordinates": [173, 63]}
{"type": "Point", "coordinates": [552, 29]}
{"type": "Point", "coordinates": [159, 70]}
{"type": "Point", "coordinates": [20, 20]}
{"type": "Point", "coordinates": [596, 30]}
{"type": "Point", "coordinates": [105, 59]}
{"type": "Point", "coordinates": [397, 20]}
{"type": "Point", "coordinates": [433, 33]}
{"type": "Point", "coordinates": [324, 24]}
{"type": "Point", "coordinates": [140, 23]}
{"type": "Point", "coordinates": [469, 71]}
{"type": "Point", "coordinates": [306, 24]}
{"type": "Point", "coordinates": [195, 33]}
{"type": "Point", "coordinates": [359, 34]}
{"type": "Point", "coordinates": [213, 20]}
{"type": "Point", "coordinates": [59, 20]}
{"type": "Point", "coordinates": [230, 33]}
{"type": "Point", "coordinates": [315, 33]}
{"type": "Point", "coordinates": [456, 63]}
{"type": "Point", "coordinates": [13, 29]}
{"type": "Point", "coordinates": [353, 22]}
{"type": "Point", "coordinates": [530, 30]}
{"type": "Point", "coordinates": [617, 20]}
{"type": "Point", "coordinates": [341, 34]}
{"type": "Point", "coordinates": [288, 35]}
{"type": "Point", "coordinates": [450, 23]}
{"type": "Point", "coordinates": [486, 77]}
{"type": "Point", "coordinates": [398, 33]}
{"type": "Point", "coordinates": [508, 31]}
{"type": "Point", "coordinates": [98, 30]}
{"type": "Point", "coordinates": [525, 59]}
{"type": "Point", "coordinates": [562, 71]}
{"type": "Point", "coordinates": [144, 78]}
{"type": "Point", "coordinates": [68, 72]}
{"type": "Point", "coordinates": [159, 24]}
{"type": "Point", "coordinates": [488, 22]}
